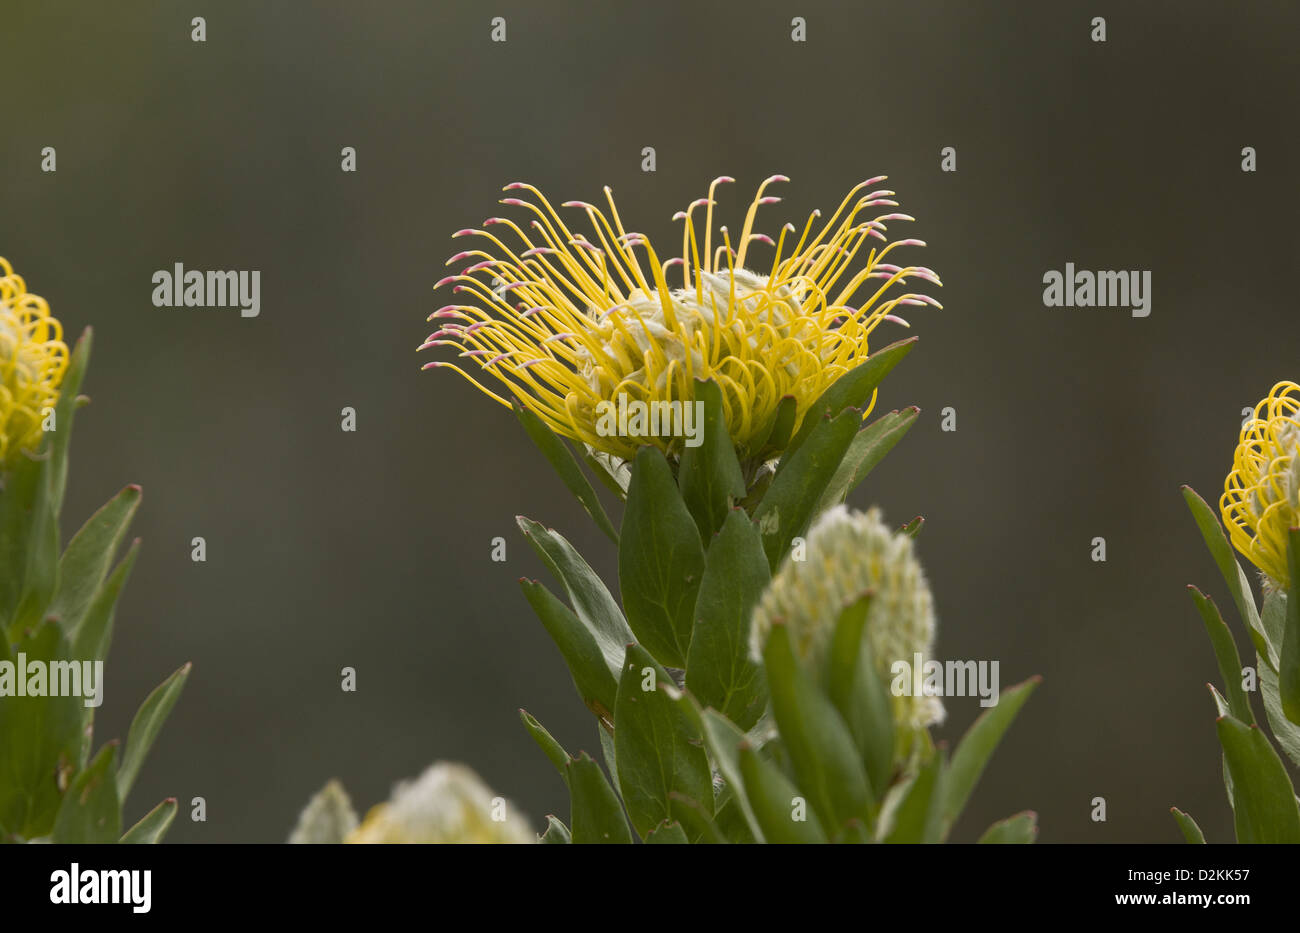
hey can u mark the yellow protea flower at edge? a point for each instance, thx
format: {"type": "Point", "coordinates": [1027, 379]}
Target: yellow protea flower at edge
{"type": "Point", "coordinates": [1261, 497]}
{"type": "Point", "coordinates": [563, 321]}
{"type": "Point", "coordinates": [33, 359]}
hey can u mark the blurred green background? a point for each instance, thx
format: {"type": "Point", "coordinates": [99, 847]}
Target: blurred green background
{"type": "Point", "coordinates": [371, 549]}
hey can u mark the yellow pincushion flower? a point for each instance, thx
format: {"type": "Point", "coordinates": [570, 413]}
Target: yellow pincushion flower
{"type": "Point", "coordinates": [33, 358]}
{"type": "Point", "coordinates": [1261, 498]}
{"type": "Point", "coordinates": [565, 322]}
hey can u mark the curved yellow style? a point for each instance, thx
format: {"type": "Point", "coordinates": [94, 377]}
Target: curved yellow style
{"type": "Point", "coordinates": [1261, 496]}
{"type": "Point", "coordinates": [33, 358]}
{"type": "Point", "coordinates": [564, 321]}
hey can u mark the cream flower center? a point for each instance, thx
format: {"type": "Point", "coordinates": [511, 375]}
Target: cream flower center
{"type": "Point", "coordinates": [639, 325]}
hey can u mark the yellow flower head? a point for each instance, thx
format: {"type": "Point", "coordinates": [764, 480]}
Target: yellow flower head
{"type": "Point", "coordinates": [33, 358]}
{"type": "Point", "coordinates": [565, 321]}
{"type": "Point", "coordinates": [1261, 497]}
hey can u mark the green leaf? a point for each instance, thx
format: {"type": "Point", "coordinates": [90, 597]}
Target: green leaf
{"type": "Point", "coordinates": [723, 740]}
{"type": "Point", "coordinates": [657, 749]}
{"type": "Point", "coordinates": [718, 667]}
{"type": "Point", "coordinates": [1289, 662]}
{"type": "Point", "coordinates": [153, 826]}
{"type": "Point", "coordinates": [91, 812]}
{"type": "Point", "coordinates": [1191, 832]}
{"type": "Point", "coordinates": [1233, 575]}
{"type": "Point", "coordinates": [40, 738]}
{"type": "Point", "coordinates": [919, 815]}
{"type": "Point", "coordinates": [91, 638]}
{"type": "Point", "coordinates": [591, 601]}
{"type": "Point", "coordinates": [696, 820]}
{"type": "Point", "coordinates": [913, 528]}
{"type": "Point", "coordinates": [1220, 704]}
{"type": "Point", "coordinates": [779, 430]}
{"type": "Point", "coordinates": [860, 696]}
{"type": "Point", "coordinates": [551, 748]}
{"type": "Point", "coordinates": [89, 556]}
{"type": "Point", "coordinates": [1225, 651]}
{"type": "Point", "coordinates": [977, 747]}
{"type": "Point", "coordinates": [731, 820]}
{"type": "Point", "coordinates": [1285, 731]}
{"type": "Point", "coordinates": [852, 390]}
{"type": "Point", "coordinates": [148, 721]}
{"type": "Point", "coordinates": [660, 560]}
{"type": "Point", "coordinates": [64, 410]}
{"type": "Point", "coordinates": [41, 571]}
{"type": "Point", "coordinates": [566, 465]}
{"type": "Point", "coordinates": [1273, 619]}
{"type": "Point", "coordinates": [29, 511]}
{"type": "Point", "coordinates": [868, 448]}
{"type": "Point", "coordinates": [1273, 616]}
{"type": "Point", "coordinates": [608, 753]}
{"type": "Point", "coordinates": [777, 802]}
{"type": "Point", "coordinates": [1265, 808]}
{"type": "Point", "coordinates": [1020, 829]}
{"type": "Point", "coordinates": [709, 475]}
{"type": "Point", "coordinates": [18, 490]}
{"type": "Point", "coordinates": [597, 815]}
{"type": "Point", "coordinates": [792, 499]}
{"type": "Point", "coordinates": [668, 832]}
{"type": "Point", "coordinates": [1221, 708]}
{"type": "Point", "coordinates": [556, 832]}
{"type": "Point", "coordinates": [825, 758]}
{"type": "Point", "coordinates": [583, 652]}
{"type": "Point", "coordinates": [758, 487]}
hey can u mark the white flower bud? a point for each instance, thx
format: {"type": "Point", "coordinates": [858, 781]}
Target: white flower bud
{"type": "Point", "coordinates": [448, 803]}
{"type": "Point", "coordinates": [849, 554]}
